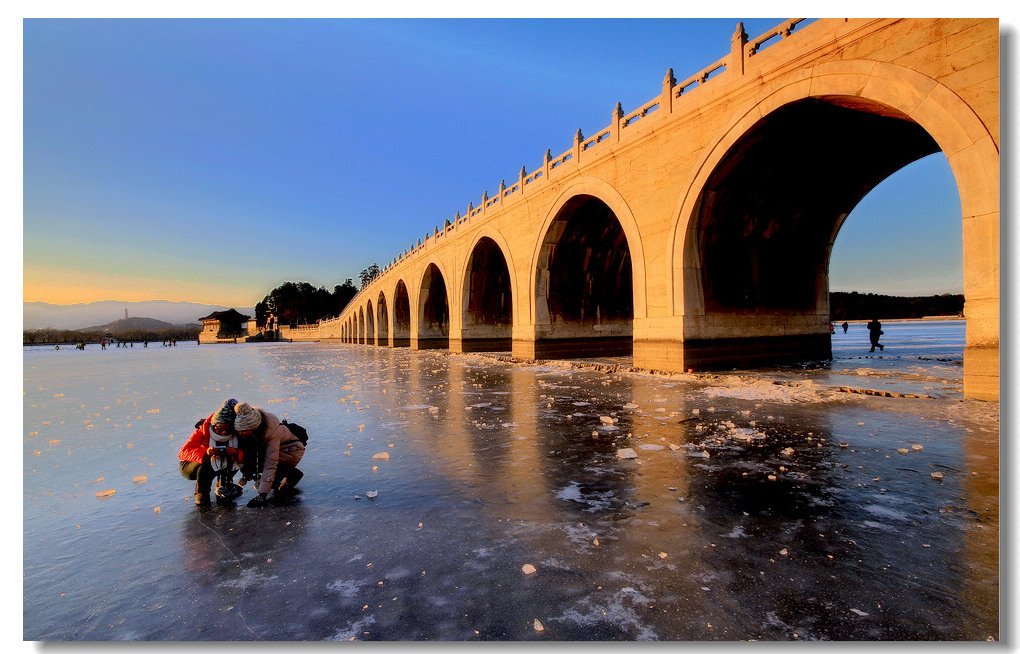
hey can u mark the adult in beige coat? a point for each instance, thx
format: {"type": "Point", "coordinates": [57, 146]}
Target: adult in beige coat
{"type": "Point", "coordinates": [270, 449]}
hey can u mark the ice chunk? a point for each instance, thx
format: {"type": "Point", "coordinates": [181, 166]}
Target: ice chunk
{"type": "Point", "coordinates": [626, 453]}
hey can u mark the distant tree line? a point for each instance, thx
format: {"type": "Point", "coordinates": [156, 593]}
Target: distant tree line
{"type": "Point", "coordinates": [866, 306]}
{"type": "Point", "coordinates": [300, 303]}
{"type": "Point", "coordinates": [68, 336]}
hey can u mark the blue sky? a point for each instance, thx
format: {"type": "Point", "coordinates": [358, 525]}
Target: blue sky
{"type": "Point", "coordinates": [211, 160]}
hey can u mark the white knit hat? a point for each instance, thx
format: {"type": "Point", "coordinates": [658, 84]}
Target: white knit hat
{"type": "Point", "coordinates": [248, 417]}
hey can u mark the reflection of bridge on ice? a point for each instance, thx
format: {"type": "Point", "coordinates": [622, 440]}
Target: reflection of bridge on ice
{"type": "Point", "coordinates": [695, 231]}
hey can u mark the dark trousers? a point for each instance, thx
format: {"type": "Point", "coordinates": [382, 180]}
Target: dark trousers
{"type": "Point", "coordinates": [201, 473]}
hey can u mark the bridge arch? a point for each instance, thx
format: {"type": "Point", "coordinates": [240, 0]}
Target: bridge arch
{"type": "Point", "coordinates": [587, 282]}
{"type": "Point", "coordinates": [360, 325]}
{"type": "Point", "coordinates": [369, 323]}
{"type": "Point", "coordinates": [401, 315]}
{"type": "Point", "coordinates": [433, 309]}
{"type": "Point", "coordinates": [923, 115]}
{"type": "Point", "coordinates": [382, 320]}
{"type": "Point", "coordinates": [489, 293]}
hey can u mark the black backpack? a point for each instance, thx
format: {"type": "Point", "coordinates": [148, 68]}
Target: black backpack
{"type": "Point", "coordinates": [299, 432]}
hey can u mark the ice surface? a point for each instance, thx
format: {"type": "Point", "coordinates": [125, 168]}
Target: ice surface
{"type": "Point", "coordinates": [491, 468]}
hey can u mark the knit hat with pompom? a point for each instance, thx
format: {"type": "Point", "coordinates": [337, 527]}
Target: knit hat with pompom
{"type": "Point", "coordinates": [226, 413]}
{"type": "Point", "coordinates": [248, 417]}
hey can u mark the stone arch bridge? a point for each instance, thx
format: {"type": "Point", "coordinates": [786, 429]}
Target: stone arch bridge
{"type": "Point", "coordinates": [695, 231]}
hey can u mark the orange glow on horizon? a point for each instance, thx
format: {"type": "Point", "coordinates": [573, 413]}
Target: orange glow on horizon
{"type": "Point", "coordinates": [73, 287]}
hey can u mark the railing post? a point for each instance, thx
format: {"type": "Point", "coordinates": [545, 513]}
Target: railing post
{"type": "Point", "coordinates": [737, 43]}
{"type": "Point", "coordinates": [617, 119]}
{"type": "Point", "coordinates": [520, 183]}
{"type": "Point", "coordinates": [546, 161]}
{"type": "Point", "coordinates": [502, 190]}
{"type": "Point", "coordinates": [457, 219]}
{"type": "Point", "coordinates": [485, 201]}
{"type": "Point", "coordinates": [578, 139]}
{"type": "Point", "coordinates": [666, 101]}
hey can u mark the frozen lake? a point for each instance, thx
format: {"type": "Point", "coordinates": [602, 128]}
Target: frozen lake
{"type": "Point", "coordinates": [769, 505]}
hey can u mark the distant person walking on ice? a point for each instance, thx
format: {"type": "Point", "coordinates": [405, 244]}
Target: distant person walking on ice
{"type": "Point", "coordinates": [875, 330]}
{"type": "Point", "coordinates": [845, 326]}
{"type": "Point", "coordinates": [274, 454]}
{"type": "Point", "coordinates": [213, 450]}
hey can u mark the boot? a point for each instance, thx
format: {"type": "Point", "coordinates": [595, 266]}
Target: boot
{"type": "Point", "coordinates": [201, 495]}
{"type": "Point", "coordinates": [286, 486]}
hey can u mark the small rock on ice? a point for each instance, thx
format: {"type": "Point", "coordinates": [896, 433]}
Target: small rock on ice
{"type": "Point", "coordinates": [538, 625]}
{"type": "Point", "coordinates": [528, 569]}
{"type": "Point", "coordinates": [381, 455]}
{"type": "Point", "coordinates": [371, 494]}
{"type": "Point", "coordinates": [606, 420]}
{"type": "Point", "coordinates": [936, 475]}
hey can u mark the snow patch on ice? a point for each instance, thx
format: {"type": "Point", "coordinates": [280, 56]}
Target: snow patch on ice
{"type": "Point", "coordinates": [738, 532]}
{"type": "Point", "coordinates": [354, 629]}
{"type": "Point", "coordinates": [594, 501]}
{"type": "Point", "coordinates": [762, 390]}
{"type": "Point", "coordinates": [345, 587]}
{"type": "Point", "coordinates": [619, 610]}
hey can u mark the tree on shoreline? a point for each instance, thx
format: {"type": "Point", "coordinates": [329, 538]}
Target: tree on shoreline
{"type": "Point", "coordinates": [866, 306]}
{"type": "Point", "coordinates": [300, 303]}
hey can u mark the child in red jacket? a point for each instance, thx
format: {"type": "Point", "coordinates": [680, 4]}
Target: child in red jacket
{"type": "Point", "coordinates": [212, 449]}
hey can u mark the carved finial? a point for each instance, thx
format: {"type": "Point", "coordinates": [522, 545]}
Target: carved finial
{"type": "Point", "coordinates": [471, 207]}
{"type": "Point", "coordinates": [457, 217]}
{"type": "Point", "coordinates": [578, 137]}
{"type": "Point", "coordinates": [548, 155]}
{"type": "Point", "coordinates": [524, 173]}
{"type": "Point", "coordinates": [485, 198]}
{"type": "Point", "coordinates": [618, 111]}
{"type": "Point", "coordinates": [739, 33]}
{"type": "Point", "coordinates": [669, 80]}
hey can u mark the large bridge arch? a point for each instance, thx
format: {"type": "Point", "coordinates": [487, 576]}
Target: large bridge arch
{"type": "Point", "coordinates": [587, 215]}
{"type": "Point", "coordinates": [862, 95]}
{"type": "Point", "coordinates": [489, 294]}
{"type": "Point", "coordinates": [433, 307]}
{"type": "Point", "coordinates": [401, 315]}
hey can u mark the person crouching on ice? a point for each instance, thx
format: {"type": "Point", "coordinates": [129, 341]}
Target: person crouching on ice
{"type": "Point", "coordinates": [213, 452]}
{"type": "Point", "coordinates": [275, 450]}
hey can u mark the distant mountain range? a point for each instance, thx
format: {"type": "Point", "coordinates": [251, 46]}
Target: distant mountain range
{"type": "Point", "coordinates": [124, 325]}
{"type": "Point", "coordinates": [42, 315]}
